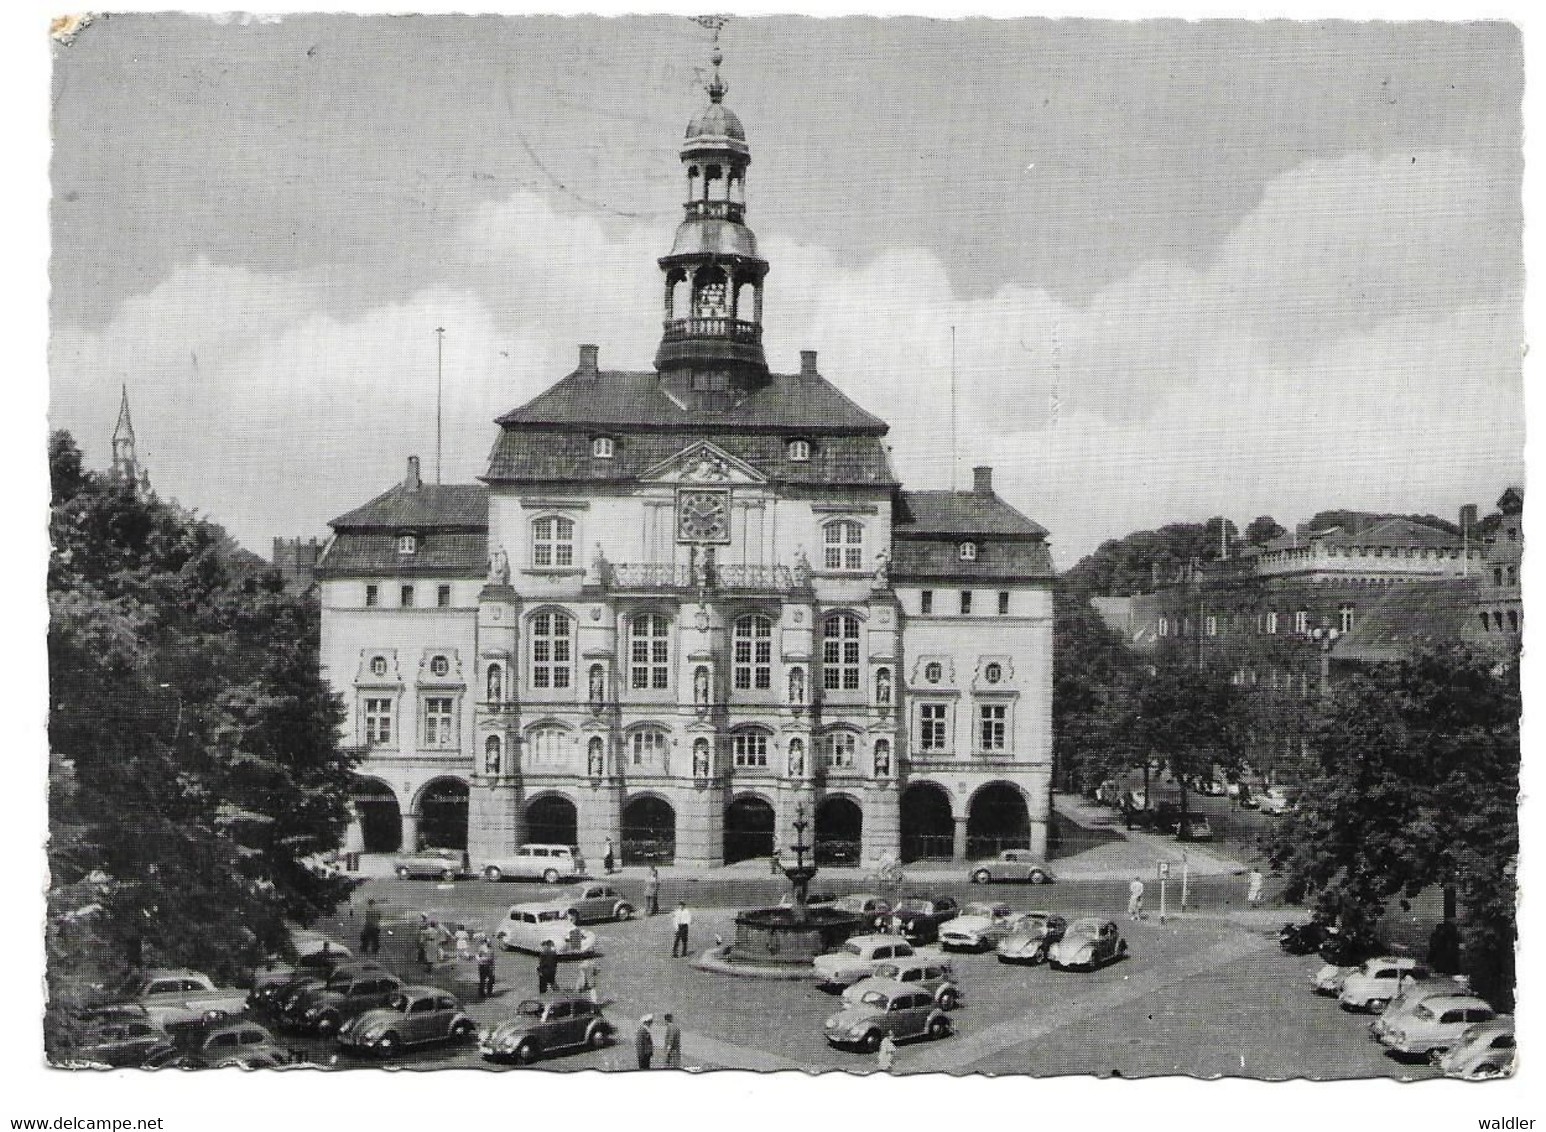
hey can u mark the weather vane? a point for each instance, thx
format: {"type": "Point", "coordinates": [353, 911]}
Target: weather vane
{"type": "Point", "coordinates": [716, 86]}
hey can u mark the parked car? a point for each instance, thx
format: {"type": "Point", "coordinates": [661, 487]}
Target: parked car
{"type": "Point", "coordinates": [1302, 939]}
{"type": "Point", "coordinates": [922, 916]}
{"type": "Point", "coordinates": [898, 1011]}
{"type": "Point", "coordinates": [540, 1027]}
{"type": "Point", "coordinates": [118, 1036]}
{"type": "Point", "coordinates": [246, 1045]}
{"type": "Point", "coordinates": [348, 991]}
{"type": "Point", "coordinates": [437, 864]}
{"type": "Point", "coordinates": [875, 910]}
{"type": "Point", "coordinates": [413, 1016]}
{"type": "Point", "coordinates": [180, 997]}
{"type": "Point", "coordinates": [1349, 950]}
{"type": "Point", "coordinates": [1194, 828]}
{"type": "Point", "coordinates": [857, 959]}
{"type": "Point", "coordinates": [979, 927]}
{"type": "Point", "coordinates": [918, 972]}
{"type": "Point", "coordinates": [1274, 801]}
{"type": "Point", "coordinates": [1011, 864]}
{"type": "Point", "coordinates": [1435, 1024]}
{"type": "Point", "coordinates": [270, 984]}
{"type": "Point", "coordinates": [1413, 993]}
{"type": "Point", "coordinates": [1484, 1051]}
{"type": "Point", "coordinates": [1378, 981]}
{"type": "Point", "coordinates": [1030, 937]}
{"type": "Point", "coordinates": [587, 903]}
{"type": "Point", "coordinates": [276, 998]}
{"type": "Point", "coordinates": [526, 926]}
{"type": "Point", "coordinates": [1211, 788]}
{"type": "Point", "coordinates": [547, 863]}
{"type": "Point", "coordinates": [1087, 943]}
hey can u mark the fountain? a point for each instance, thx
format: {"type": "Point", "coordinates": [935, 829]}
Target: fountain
{"type": "Point", "coordinates": [780, 942]}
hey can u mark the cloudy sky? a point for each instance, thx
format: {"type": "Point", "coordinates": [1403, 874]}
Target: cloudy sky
{"type": "Point", "coordinates": [1270, 268]}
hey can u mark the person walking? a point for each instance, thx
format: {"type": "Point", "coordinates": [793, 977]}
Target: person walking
{"type": "Point", "coordinates": [682, 920]}
{"type": "Point", "coordinates": [644, 1041]}
{"type": "Point", "coordinates": [673, 1044]}
{"type": "Point", "coordinates": [370, 934]}
{"type": "Point", "coordinates": [421, 940]}
{"type": "Point", "coordinates": [607, 859]}
{"type": "Point", "coordinates": [1135, 899]}
{"type": "Point", "coordinates": [547, 968]}
{"type": "Point", "coordinates": [885, 1054]}
{"type": "Point", "coordinates": [1253, 889]}
{"type": "Point", "coordinates": [429, 943]}
{"type": "Point", "coordinates": [590, 977]}
{"type": "Point", "coordinates": [485, 970]}
{"type": "Point", "coordinates": [652, 892]}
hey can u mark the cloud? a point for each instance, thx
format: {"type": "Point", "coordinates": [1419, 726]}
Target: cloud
{"type": "Point", "coordinates": [1353, 343]}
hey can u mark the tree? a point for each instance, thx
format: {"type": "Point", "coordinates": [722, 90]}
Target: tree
{"type": "Point", "coordinates": [197, 742]}
{"type": "Point", "coordinates": [1416, 784]}
{"type": "Point", "coordinates": [1129, 565]}
{"type": "Point", "coordinates": [1089, 662]}
{"type": "Point", "coordinates": [1263, 529]}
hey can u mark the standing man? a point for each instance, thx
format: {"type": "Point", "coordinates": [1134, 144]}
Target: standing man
{"type": "Point", "coordinates": [547, 968]}
{"type": "Point", "coordinates": [1253, 889]}
{"type": "Point", "coordinates": [485, 970]}
{"type": "Point", "coordinates": [429, 943]}
{"type": "Point", "coordinates": [885, 1054]}
{"type": "Point", "coordinates": [607, 859]}
{"type": "Point", "coordinates": [682, 919]}
{"type": "Point", "coordinates": [673, 1044]}
{"type": "Point", "coordinates": [652, 892]}
{"type": "Point", "coordinates": [370, 934]}
{"type": "Point", "coordinates": [644, 1041]}
{"type": "Point", "coordinates": [1135, 899]}
{"type": "Point", "coordinates": [590, 978]}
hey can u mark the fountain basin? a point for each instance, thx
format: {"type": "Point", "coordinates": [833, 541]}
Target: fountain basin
{"type": "Point", "coordinates": [789, 937]}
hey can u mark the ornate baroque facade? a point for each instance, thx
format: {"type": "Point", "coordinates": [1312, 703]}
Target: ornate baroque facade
{"type": "Point", "coordinates": [685, 602]}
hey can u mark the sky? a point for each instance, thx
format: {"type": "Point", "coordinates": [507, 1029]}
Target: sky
{"type": "Point", "coordinates": [1268, 268]}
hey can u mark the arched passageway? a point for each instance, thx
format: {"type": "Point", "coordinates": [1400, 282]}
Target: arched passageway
{"type": "Point", "coordinates": [997, 819]}
{"type": "Point", "coordinates": [649, 831]}
{"type": "Point", "coordinates": [928, 830]}
{"type": "Point", "coordinates": [748, 829]}
{"type": "Point", "coordinates": [443, 814]}
{"type": "Point", "coordinates": [381, 823]}
{"type": "Point", "coordinates": [552, 820]}
{"type": "Point", "coordinates": [839, 831]}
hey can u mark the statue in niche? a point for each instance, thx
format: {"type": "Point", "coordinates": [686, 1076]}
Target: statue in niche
{"type": "Point", "coordinates": [802, 568]}
{"type": "Point", "coordinates": [496, 684]}
{"type": "Point", "coordinates": [700, 758]}
{"type": "Point", "coordinates": [596, 759]}
{"type": "Point", "coordinates": [882, 570]}
{"type": "Point", "coordinates": [883, 686]}
{"type": "Point", "coordinates": [796, 759]}
{"type": "Point", "coordinates": [797, 685]}
{"type": "Point", "coordinates": [598, 685]}
{"type": "Point", "coordinates": [602, 568]}
{"type": "Point", "coordinates": [700, 687]}
{"type": "Point", "coordinates": [499, 568]}
{"type": "Point", "coordinates": [882, 759]}
{"type": "Point", "coordinates": [491, 756]}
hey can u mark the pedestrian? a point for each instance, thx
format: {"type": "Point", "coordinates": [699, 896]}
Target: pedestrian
{"type": "Point", "coordinates": [652, 892]}
{"type": "Point", "coordinates": [463, 942]}
{"type": "Point", "coordinates": [370, 934]}
{"type": "Point", "coordinates": [682, 919]}
{"type": "Point", "coordinates": [673, 1044]}
{"type": "Point", "coordinates": [644, 1041]}
{"type": "Point", "coordinates": [429, 941]}
{"type": "Point", "coordinates": [607, 859]}
{"type": "Point", "coordinates": [547, 968]}
{"type": "Point", "coordinates": [440, 940]}
{"type": "Point", "coordinates": [1253, 889]}
{"type": "Point", "coordinates": [1135, 899]}
{"type": "Point", "coordinates": [885, 1054]}
{"type": "Point", "coordinates": [590, 975]}
{"type": "Point", "coordinates": [485, 970]}
{"type": "Point", "coordinates": [773, 860]}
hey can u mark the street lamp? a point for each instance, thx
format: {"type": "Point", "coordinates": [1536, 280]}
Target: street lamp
{"type": "Point", "coordinates": [1325, 637]}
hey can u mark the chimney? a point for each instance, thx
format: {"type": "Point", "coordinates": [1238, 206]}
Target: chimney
{"type": "Point", "coordinates": [982, 480]}
{"type": "Point", "coordinates": [588, 360]}
{"type": "Point", "coordinates": [413, 482]}
{"type": "Point", "coordinates": [1467, 519]}
{"type": "Point", "coordinates": [807, 364]}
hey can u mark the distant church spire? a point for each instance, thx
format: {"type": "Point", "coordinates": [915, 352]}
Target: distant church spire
{"type": "Point", "coordinates": [125, 463]}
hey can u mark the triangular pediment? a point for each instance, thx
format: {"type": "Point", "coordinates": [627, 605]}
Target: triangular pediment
{"type": "Point", "coordinates": [703, 463]}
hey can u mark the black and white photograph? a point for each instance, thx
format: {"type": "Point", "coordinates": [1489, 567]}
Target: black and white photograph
{"type": "Point", "coordinates": [935, 546]}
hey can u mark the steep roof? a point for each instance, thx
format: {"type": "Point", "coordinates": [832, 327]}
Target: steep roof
{"type": "Point", "coordinates": [928, 526]}
{"type": "Point", "coordinates": [426, 506]}
{"type": "Point", "coordinates": [441, 553]}
{"type": "Point", "coordinates": [921, 514]}
{"type": "Point", "coordinates": [1408, 616]}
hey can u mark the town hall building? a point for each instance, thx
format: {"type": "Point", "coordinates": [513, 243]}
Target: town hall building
{"type": "Point", "coordinates": [687, 603]}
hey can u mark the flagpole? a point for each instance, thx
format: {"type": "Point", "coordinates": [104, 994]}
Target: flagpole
{"type": "Point", "coordinates": [440, 343]}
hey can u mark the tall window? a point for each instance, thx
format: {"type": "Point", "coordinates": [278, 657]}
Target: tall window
{"type": "Point", "coordinates": [551, 650]}
{"type": "Point", "coordinates": [1272, 622]}
{"type": "Point", "coordinates": [372, 595]}
{"type": "Point", "coordinates": [1302, 621]}
{"type": "Point", "coordinates": [750, 748]}
{"type": "Point", "coordinates": [926, 601]}
{"type": "Point", "coordinates": [753, 667]}
{"type": "Point", "coordinates": [649, 747]}
{"type": "Point", "coordinates": [547, 746]}
{"type": "Point", "coordinates": [1212, 625]}
{"type": "Point", "coordinates": [378, 722]}
{"type": "Point", "coordinates": [840, 653]}
{"type": "Point", "coordinates": [966, 602]}
{"type": "Point", "coordinates": [1003, 602]}
{"type": "Point", "coordinates": [931, 727]}
{"type": "Point", "coordinates": [837, 750]}
{"type": "Point", "coordinates": [1164, 626]}
{"type": "Point", "coordinates": [844, 545]}
{"type": "Point", "coordinates": [1345, 617]}
{"type": "Point", "coordinates": [443, 596]}
{"type": "Point", "coordinates": [650, 651]}
{"type": "Point", "coordinates": [552, 542]}
{"type": "Point", "coordinates": [407, 597]}
{"type": "Point", "coordinates": [991, 718]}
{"type": "Point", "coordinates": [437, 721]}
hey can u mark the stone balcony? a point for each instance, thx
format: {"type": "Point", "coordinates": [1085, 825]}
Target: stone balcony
{"type": "Point", "coordinates": [679, 577]}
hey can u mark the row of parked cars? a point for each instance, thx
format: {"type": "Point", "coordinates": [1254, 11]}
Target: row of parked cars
{"type": "Point", "coordinates": [550, 864]}
{"type": "Point", "coordinates": [1418, 1014]}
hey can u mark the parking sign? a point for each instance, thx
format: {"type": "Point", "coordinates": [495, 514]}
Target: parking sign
{"type": "Point", "coordinates": [1164, 869]}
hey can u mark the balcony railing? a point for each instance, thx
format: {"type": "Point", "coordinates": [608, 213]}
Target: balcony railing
{"type": "Point", "coordinates": [730, 210]}
{"type": "Point", "coordinates": [680, 576]}
{"type": "Point", "coordinates": [732, 329]}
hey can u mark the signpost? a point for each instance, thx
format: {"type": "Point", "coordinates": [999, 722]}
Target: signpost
{"type": "Point", "coordinates": [1186, 876]}
{"type": "Point", "coordinates": [1164, 876]}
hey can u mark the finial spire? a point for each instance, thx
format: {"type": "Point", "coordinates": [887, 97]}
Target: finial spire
{"type": "Point", "coordinates": [717, 87]}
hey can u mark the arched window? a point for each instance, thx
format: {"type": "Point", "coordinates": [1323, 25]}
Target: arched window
{"type": "Point", "coordinates": [552, 541]}
{"type": "Point", "coordinates": [552, 637]}
{"type": "Point", "coordinates": [799, 450]}
{"type": "Point", "coordinates": [378, 666]}
{"type": "Point", "coordinates": [496, 683]}
{"type": "Point", "coordinates": [649, 652]}
{"type": "Point", "coordinates": [837, 750]}
{"type": "Point", "coordinates": [407, 544]}
{"type": "Point", "coordinates": [750, 748]}
{"type": "Point", "coordinates": [493, 752]}
{"type": "Point", "coordinates": [843, 545]}
{"type": "Point", "coordinates": [840, 653]}
{"type": "Point", "coordinates": [968, 552]}
{"type": "Point", "coordinates": [547, 746]}
{"type": "Point", "coordinates": [601, 447]}
{"type": "Point", "coordinates": [753, 643]}
{"type": "Point", "coordinates": [648, 747]}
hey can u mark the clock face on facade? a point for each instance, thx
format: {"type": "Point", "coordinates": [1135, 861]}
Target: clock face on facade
{"type": "Point", "coordinates": [703, 516]}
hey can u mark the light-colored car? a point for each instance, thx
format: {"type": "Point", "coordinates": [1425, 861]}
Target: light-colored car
{"type": "Point", "coordinates": [1087, 944]}
{"type": "Point", "coordinates": [1274, 801]}
{"type": "Point", "coordinates": [1327, 979]}
{"type": "Point", "coordinates": [1435, 1024]}
{"type": "Point", "coordinates": [1484, 1051]}
{"type": "Point", "coordinates": [547, 863]}
{"type": "Point", "coordinates": [414, 1016]}
{"type": "Point", "coordinates": [526, 926]}
{"type": "Point", "coordinates": [858, 958]}
{"type": "Point", "coordinates": [1011, 865]}
{"type": "Point", "coordinates": [1373, 985]}
{"type": "Point", "coordinates": [1412, 992]}
{"type": "Point", "coordinates": [437, 864]}
{"type": "Point", "coordinates": [179, 997]}
{"type": "Point", "coordinates": [979, 927]}
{"type": "Point", "coordinates": [1031, 934]}
{"type": "Point", "coordinates": [539, 1027]}
{"type": "Point", "coordinates": [590, 902]}
{"type": "Point", "coordinates": [894, 1010]}
{"type": "Point", "coordinates": [920, 972]}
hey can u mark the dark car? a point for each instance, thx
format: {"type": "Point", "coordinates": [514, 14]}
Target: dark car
{"type": "Point", "coordinates": [1302, 939]}
{"type": "Point", "coordinates": [270, 988]}
{"type": "Point", "coordinates": [542, 1026]}
{"type": "Point", "coordinates": [1349, 949]}
{"type": "Point", "coordinates": [345, 994]}
{"type": "Point", "coordinates": [921, 916]}
{"type": "Point", "coordinates": [281, 997]}
{"type": "Point", "coordinates": [120, 1037]}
